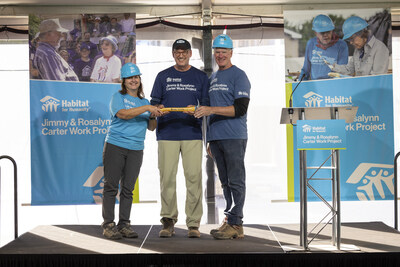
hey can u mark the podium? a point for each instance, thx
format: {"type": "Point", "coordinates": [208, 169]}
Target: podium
{"type": "Point", "coordinates": [291, 116]}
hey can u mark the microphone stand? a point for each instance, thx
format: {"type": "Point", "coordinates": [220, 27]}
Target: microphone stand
{"type": "Point", "coordinates": [290, 110]}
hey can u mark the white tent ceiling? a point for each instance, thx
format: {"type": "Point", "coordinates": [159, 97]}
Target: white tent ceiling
{"type": "Point", "coordinates": [12, 10]}
{"type": "Point", "coordinates": [188, 2]}
{"type": "Point", "coordinates": [217, 4]}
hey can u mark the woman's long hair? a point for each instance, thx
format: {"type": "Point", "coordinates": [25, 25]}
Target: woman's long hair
{"type": "Point", "coordinates": [124, 91]}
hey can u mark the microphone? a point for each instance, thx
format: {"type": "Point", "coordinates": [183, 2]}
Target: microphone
{"type": "Point", "coordinates": [291, 95]}
{"type": "Point", "coordinates": [290, 110]}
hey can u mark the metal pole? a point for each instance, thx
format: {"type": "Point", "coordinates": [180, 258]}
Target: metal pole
{"type": "Point", "coordinates": [395, 192]}
{"type": "Point", "coordinates": [302, 217]}
{"type": "Point", "coordinates": [303, 195]}
{"type": "Point", "coordinates": [337, 195]}
{"type": "Point", "coordinates": [212, 210]}
{"type": "Point", "coordinates": [334, 199]}
{"type": "Point", "coordinates": [15, 195]}
{"type": "Point", "coordinates": [304, 189]}
{"type": "Point", "coordinates": [207, 57]}
{"type": "Point", "coordinates": [338, 218]}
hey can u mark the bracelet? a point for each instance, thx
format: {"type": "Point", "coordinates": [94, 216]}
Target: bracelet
{"type": "Point", "coordinates": [152, 118]}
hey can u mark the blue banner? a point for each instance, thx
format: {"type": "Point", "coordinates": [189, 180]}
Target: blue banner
{"type": "Point", "coordinates": [366, 166]}
{"type": "Point", "coordinates": [321, 134]}
{"type": "Point", "coordinates": [69, 122]}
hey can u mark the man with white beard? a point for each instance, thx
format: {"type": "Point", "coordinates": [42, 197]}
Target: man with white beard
{"type": "Point", "coordinates": [50, 64]}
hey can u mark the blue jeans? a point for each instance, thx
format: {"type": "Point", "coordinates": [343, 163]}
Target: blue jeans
{"type": "Point", "coordinates": [229, 157]}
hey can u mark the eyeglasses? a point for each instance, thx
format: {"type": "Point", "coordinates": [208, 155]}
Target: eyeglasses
{"type": "Point", "coordinates": [351, 39]}
{"type": "Point", "coordinates": [184, 53]}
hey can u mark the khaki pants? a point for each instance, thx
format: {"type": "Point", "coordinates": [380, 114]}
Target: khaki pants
{"type": "Point", "coordinates": [168, 159]}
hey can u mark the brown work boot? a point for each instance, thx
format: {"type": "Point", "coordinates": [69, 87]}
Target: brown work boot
{"type": "Point", "coordinates": [193, 232]}
{"type": "Point", "coordinates": [229, 232]}
{"type": "Point", "coordinates": [168, 228]}
{"type": "Point", "coordinates": [127, 231]}
{"type": "Point", "coordinates": [224, 222]}
{"type": "Point", "coordinates": [110, 231]}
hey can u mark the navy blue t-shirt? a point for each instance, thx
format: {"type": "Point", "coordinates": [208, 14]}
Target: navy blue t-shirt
{"type": "Point", "coordinates": [83, 69]}
{"type": "Point", "coordinates": [174, 88]}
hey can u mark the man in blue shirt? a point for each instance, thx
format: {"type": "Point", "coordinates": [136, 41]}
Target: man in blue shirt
{"type": "Point", "coordinates": [324, 50]}
{"type": "Point", "coordinates": [178, 133]}
{"type": "Point", "coordinates": [229, 95]}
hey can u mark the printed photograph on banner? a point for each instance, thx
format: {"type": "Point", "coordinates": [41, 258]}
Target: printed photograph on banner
{"type": "Point", "coordinates": [81, 48]}
{"type": "Point", "coordinates": [331, 44]}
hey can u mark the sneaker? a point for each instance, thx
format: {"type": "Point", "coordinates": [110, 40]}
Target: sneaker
{"type": "Point", "coordinates": [230, 232]}
{"type": "Point", "coordinates": [168, 228]}
{"type": "Point", "coordinates": [193, 232]}
{"type": "Point", "coordinates": [127, 231]}
{"type": "Point", "coordinates": [224, 222]}
{"type": "Point", "coordinates": [110, 231]}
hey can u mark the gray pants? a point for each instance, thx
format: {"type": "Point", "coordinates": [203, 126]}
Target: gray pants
{"type": "Point", "coordinates": [121, 166]}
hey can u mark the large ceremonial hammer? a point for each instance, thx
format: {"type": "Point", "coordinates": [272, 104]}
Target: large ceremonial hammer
{"type": "Point", "coordinates": [181, 109]}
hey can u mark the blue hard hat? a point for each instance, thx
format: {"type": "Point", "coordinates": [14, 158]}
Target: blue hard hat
{"type": "Point", "coordinates": [322, 23]}
{"type": "Point", "coordinates": [129, 70]}
{"type": "Point", "coordinates": [222, 41]}
{"type": "Point", "coordinates": [353, 25]}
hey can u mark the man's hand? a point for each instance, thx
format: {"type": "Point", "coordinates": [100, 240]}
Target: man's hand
{"type": "Point", "coordinates": [203, 111]}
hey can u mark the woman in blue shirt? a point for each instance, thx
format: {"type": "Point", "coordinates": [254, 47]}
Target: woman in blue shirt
{"type": "Point", "coordinates": [131, 115]}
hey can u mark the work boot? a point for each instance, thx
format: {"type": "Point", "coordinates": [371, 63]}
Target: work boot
{"type": "Point", "coordinates": [230, 232]}
{"type": "Point", "coordinates": [193, 232]}
{"type": "Point", "coordinates": [224, 222]}
{"type": "Point", "coordinates": [126, 231]}
{"type": "Point", "coordinates": [168, 228]}
{"type": "Point", "coordinates": [110, 231]}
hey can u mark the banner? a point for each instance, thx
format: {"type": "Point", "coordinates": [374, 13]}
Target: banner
{"type": "Point", "coordinates": [75, 64]}
{"type": "Point", "coordinates": [343, 58]}
{"type": "Point", "coordinates": [366, 166]}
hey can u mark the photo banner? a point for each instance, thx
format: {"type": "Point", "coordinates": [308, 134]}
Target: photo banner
{"type": "Point", "coordinates": [343, 58]}
{"type": "Point", "coordinates": [75, 64]}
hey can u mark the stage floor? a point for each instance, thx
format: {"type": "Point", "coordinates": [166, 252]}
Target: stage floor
{"type": "Point", "coordinates": [259, 239]}
{"type": "Point", "coordinates": [372, 244]}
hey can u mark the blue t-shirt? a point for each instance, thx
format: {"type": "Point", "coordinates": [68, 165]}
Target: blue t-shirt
{"type": "Point", "coordinates": [83, 69]}
{"type": "Point", "coordinates": [130, 133]}
{"type": "Point", "coordinates": [225, 87]}
{"type": "Point", "coordinates": [174, 88]}
{"type": "Point", "coordinates": [314, 67]}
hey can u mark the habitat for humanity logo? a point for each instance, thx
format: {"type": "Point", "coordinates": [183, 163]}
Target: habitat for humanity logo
{"type": "Point", "coordinates": [51, 104]}
{"type": "Point", "coordinates": [96, 182]}
{"type": "Point", "coordinates": [315, 129]}
{"type": "Point", "coordinates": [370, 178]}
{"type": "Point", "coordinates": [313, 99]}
{"type": "Point", "coordinates": [306, 128]}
